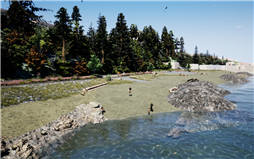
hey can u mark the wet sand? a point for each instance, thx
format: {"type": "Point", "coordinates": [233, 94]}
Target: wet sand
{"type": "Point", "coordinates": [19, 119]}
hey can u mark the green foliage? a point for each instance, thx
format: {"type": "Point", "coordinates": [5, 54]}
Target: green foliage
{"type": "Point", "coordinates": [108, 77]}
{"type": "Point", "coordinates": [169, 66]}
{"type": "Point", "coordinates": [94, 64]}
{"type": "Point", "coordinates": [150, 67]}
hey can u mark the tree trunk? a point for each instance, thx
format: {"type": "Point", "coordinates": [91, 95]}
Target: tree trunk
{"type": "Point", "coordinates": [93, 71]}
{"type": "Point", "coordinates": [63, 55]}
{"type": "Point", "coordinates": [102, 53]}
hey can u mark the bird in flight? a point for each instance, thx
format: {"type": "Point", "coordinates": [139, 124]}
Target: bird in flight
{"type": "Point", "coordinates": [166, 7]}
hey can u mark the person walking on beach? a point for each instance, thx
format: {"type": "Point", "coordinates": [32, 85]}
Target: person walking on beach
{"type": "Point", "coordinates": [151, 106]}
{"type": "Point", "coordinates": [103, 110]}
{"type": "Point", "coordinates": [129, 90]}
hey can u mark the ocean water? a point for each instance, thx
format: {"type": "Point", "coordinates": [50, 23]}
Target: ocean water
{"type": "Point", "coordinates": [215, 135]}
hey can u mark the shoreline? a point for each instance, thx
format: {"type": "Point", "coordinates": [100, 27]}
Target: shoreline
{"type": "Point", "coordinates": [19, 119]}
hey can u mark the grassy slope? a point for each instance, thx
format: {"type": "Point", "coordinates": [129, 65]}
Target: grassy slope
{"type": "Point", "coordinates": [19, 119]}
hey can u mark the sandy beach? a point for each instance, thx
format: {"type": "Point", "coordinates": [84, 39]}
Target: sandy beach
{"type": "Point", "coordinates": [19, 119]}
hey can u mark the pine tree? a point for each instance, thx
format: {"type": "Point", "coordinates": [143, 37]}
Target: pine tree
{"type": "Point", "coordinates": [123, 44]}
{"type": "Point", "coordinates": [181, 44]}
{"type": "Point", "coordinates": [165, 40]}
{"type": "Point", "coordinates": [101, 37]}
{"type": "Point", "coordinates": [63, 27]}
{"type": "Point", "coordinates": [92, 39]}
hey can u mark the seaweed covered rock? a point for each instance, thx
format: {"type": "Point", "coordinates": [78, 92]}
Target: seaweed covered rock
{"type": "Point", "coordinates": [233, 78]}
{"type": "Point", "coordinates": [200, 97]}
{"type": "Point", "coordinates": [244, 74]}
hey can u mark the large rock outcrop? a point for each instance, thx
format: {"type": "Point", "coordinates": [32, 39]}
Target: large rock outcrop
{"type": "Point", "coordinates": [244, 74]}
{"type": "Point", "coordinates": [233, 78]}
{"type": "Point", "coordinates": [200, 96]}
{"type": "Point", "coordinates": [44, 140]}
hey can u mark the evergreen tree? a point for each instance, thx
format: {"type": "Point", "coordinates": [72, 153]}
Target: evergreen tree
{"type": "Point", "coordinates": [92, 39]}
{"type": "Point", "coordinates": [63, 27]}
{"type": "Point", "coordinates": [134, 31]}
{"type": "Point", "coordinates": [181, 44]}
{"type": "Point", "coordinates": [101, 37]}
{"type": "Point", "coordinates": [74, 50]}
{"type": "Point", "coordinates": [123, 44]}
{"type": "Point", "coordinates": [172, 43]}
{"type": "Point", "coordinates": [94, 64]}
{"type": "Point", "coordinates": [166, 41]}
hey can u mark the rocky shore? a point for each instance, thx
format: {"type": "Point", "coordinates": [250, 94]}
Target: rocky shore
{"type": "Point", "coordinates": [236, 78]}
{"type": "Point", "coordinates": [43, 141]}
{"type": "Point", "coordinates": [200, 96]}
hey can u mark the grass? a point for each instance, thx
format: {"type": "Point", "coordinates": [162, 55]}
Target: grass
{"type": "Point", "coordinates": [114, 97]}
{"type": "Point", "coordinates": [17, 95]}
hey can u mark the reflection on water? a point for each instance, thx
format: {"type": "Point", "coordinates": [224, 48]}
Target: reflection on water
{"type": "Point", "coordinates": [213, 135]}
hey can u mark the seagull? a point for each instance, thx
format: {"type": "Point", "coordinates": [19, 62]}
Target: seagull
{"type": "Point", "coordinates": [166, 7]}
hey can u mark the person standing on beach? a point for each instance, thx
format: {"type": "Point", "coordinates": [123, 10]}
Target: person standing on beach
{"type": "Point", "coordinates": [151, 106]}
{"type": "Point", "coordinates": [129, 90]}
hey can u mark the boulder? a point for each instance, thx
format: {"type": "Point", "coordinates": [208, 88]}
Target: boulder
{"type": "Point", "coordinates": [23, 149]}
{"type": "Point", "coordinates": [176, 132]}
{"type": "Point", "coordinates": [66, 123]}
{"type": "Point", "coordinates": [4, 149]}
{"type": "Point", "coordinates": [244, 74]}
{"type": "Point", "coordinates": [192, 80]}
{"type": "Point", "coordinates": [171, 90]}
{"type": "Point", "coordinates": [233, 78]}
{"type": "Point", "coordinates": [200, 97]}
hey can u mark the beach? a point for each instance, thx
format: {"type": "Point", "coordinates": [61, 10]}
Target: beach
{"type": "Point", "coordinates": [19, 119]}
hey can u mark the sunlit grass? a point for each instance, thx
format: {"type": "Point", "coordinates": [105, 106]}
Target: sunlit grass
{"type": "Point", "coordinates": [17, 95]}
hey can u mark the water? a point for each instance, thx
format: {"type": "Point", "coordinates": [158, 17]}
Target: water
{"type": "Point", "coordinates": [224, 135]}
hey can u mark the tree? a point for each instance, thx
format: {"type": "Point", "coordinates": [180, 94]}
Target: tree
{"type": "Point", "coordinates": [123, 44]}
{"type": "Point", "coordinates": [134, 31]}
{"type": "Point", "coordinates": [188, 66]}
{"type": "Point", "coordinates": [94, 64]}
{"type": "Point", "coordinates": [75, 20]}
{"type": "Point", "coordinates": [101, 37]}
{"type": "Point", "coordinates": [92, 38]}
{"type": "Point", "coordinates": [165, 38]}
{"type": "Point", "coordinates": [63, 27]}
{"type": "Point", "coordinates": [181, 44]}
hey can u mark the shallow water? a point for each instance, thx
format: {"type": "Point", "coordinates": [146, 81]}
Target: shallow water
{"type": "Point", "coordinates": [218, 135]}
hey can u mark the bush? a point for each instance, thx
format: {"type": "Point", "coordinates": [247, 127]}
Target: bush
{"type": "Point", "coordinates": [108, 77]}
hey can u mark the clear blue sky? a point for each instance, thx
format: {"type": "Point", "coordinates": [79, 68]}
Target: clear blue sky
{"type": "Point", "coordinates": [222, 28]}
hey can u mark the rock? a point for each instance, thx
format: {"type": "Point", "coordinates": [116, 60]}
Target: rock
{"type": "Point", "coordinates": [44, 132]}
{"type": "Point", "coordinates": [4, 149]}
{"type": "Point", "coordinates": [192, 80]}
{"type": "Point", "coordinates": [24, 149]}
{"type": "Point", "coordinates": [244, 74]}
{"type": "Point", "coordinates": [176, 132]}
{"type": "Point", "coordinates": [233, 78]}
{"type": "Point", "coordinates": [36, 145]}
{"type": "Point", "coordinates": [66, 123]}
{"type": "Point", "coordinates": [94, 104]}
{"type": "Point", "coordinates": [171, 90]}
{"type": "Point", "coordinates": [200, 97]}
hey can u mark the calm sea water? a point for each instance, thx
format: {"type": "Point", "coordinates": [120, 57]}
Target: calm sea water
{"type": "Point", "coordinates": [221, 135]}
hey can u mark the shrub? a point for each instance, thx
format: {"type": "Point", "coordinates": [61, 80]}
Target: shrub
{"type": "Point", "coordinates": [108, 77]}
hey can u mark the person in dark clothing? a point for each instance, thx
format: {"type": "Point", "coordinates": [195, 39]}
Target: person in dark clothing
{"type": "Point", "coordinates": [148, 111]}
{"type": "Point", "coordinates": [129, 90]}
{"type": "Point", "coordinates": [151, 106]}
{"type": "Point", "coordinates": [103, 110]}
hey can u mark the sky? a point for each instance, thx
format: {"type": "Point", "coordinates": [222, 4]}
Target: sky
{"type": "Point", "coordinates": [224, 28]}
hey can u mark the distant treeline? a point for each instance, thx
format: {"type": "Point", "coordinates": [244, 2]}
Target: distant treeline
{"type": "Point", "coordinates": [31, 49]}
